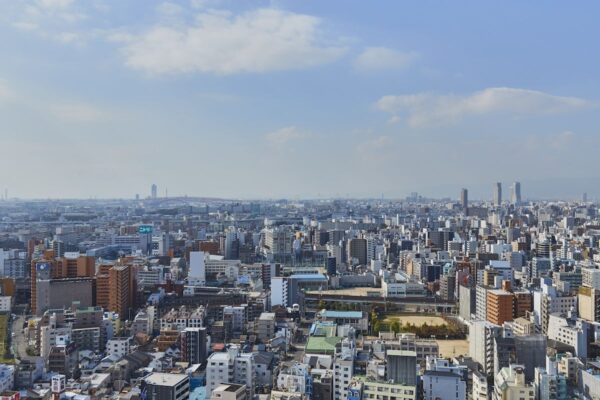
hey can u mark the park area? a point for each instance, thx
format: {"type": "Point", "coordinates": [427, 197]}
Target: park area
{"type": "Point", "coordinates": [4, 339]}
{"type": "Point", "coordinates": [453, 348]}
{"type": "Point", "coordinates": [424, 326]}
{"type": "Point", "coordinates": [416, 320]}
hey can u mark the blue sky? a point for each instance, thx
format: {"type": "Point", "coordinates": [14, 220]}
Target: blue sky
{"type": "Point", "coordinates": [252, 99]}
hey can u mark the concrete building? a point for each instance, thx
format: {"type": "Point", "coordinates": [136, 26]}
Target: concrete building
{"type": "Point", "coordinates": [480, 389]}
{"type": "Point", "coordinates": [164, 386]}
{"type": "Point", "coordinates": [357, 250]}
{"type": "Point", "coordinates": [442, 380]}
{"type": "Point", "coordinates": [118, 347]}
{"type": "Point", "coordinates": [122, 290]}
{"type": "Point", "coordinates": [361, 388]}
{"type": "Point", "coordinates": [193, 345]}
{"type": "Point", "coordinates": [61, 293]}
{"type": "Point", "coordinates": [230, 391]}
{"type": "Point", "coordinates": [7, 377]}
{"type": "Point", "coordinates": [510, 384]}
{"type": "Point", "coordinates": [464, 200]}
{"type": "Point", "coordinates": [402, 367]}
{"type": "Point", "coordinates": [590, 277]}
{"type": "Point", "coordinates": [481, 344]}
{"type": "Point", "coordinates": [499, 306]}
{"type": "Point", "coordinates": [197, 269]}
{"type": "Point", "coordinates": [588, 303]}
{"type": "Point", "coordinates": [359, 320]}
{"type": "Point", "coordinates": [265, 326]}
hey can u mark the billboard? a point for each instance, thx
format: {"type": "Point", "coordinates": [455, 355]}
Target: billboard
{"type": "Point", "coordinates": [145, 229]}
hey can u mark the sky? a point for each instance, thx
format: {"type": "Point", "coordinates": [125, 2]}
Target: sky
{"type": "Point", "coordinates": [298, 99]}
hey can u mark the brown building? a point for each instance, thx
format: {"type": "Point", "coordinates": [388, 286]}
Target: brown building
{"type": "Point", "coordinates": [523, 302]}
{"type": "Point", "coordinates": [499, 306]}
{"type": "Point", "coordinates": [8, 287]}
{"type": "Point", "coordinates": [102, 285]}
{"type": "Point", "coordinates": [122, 290]}
{"type": "Point", "coordinates": [209, 247]}
{"type": "Point", "coordinates": [80, 267]}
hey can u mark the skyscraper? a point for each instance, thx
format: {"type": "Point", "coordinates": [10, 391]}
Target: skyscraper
{"type": "Point", "coordinates": [464, 200]}
{"type": "Point", "coordinates": [121, 290]}
{"type": "Point", "coordinates": [153, 191]}
{"type": "Point", "coordinates": [498, 193]}
{"type": "Point", "coordinates": [515, 196]}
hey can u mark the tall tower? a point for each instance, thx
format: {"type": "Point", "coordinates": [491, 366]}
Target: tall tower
{"type": "Point", "coordinates": [121, 285]}
{"type": "Point", "coordinates": [464, 200]}
{"type": "Point", "coordinates": [515, 196]}
{"type": "Point", "coordinates": [498, 194]}
{"type": "Point", "coordinates": [153, 191]}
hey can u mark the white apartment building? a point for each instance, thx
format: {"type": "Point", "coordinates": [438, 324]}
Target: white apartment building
{"type": "Point", "coordinates": [590, 277]}
{"type": "Point", "coordinates": [279, 291]}
{"type": "Point", "coordinates": [5, 303]}
{"type": "Point", "coordinates": [442, 380]}
{"type": "Point", "coordinates": [118, 347]}
{"type": "Point", "coordinates": [183, 318]}
{"type": "Point", "coordinates": [510, 384]}
{"type": "Point", "coordinates": [231, 366]}
{"type": "Point", "coordinates": [293, 378]}
{"type": "Point", "coordinates": [7, 377]}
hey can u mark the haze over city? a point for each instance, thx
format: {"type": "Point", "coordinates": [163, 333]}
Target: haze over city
{"type": "Point", "coordinates": [311, 99]}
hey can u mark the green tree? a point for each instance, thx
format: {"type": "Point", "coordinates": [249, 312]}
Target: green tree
{"type": "Point", "coordinates": [376, 327]}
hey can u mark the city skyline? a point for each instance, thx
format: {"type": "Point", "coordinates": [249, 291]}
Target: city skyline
{"type": "Point", "coordinates": [298, 100]}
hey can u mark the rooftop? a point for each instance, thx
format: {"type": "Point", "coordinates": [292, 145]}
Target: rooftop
{"type": "Point", "coordinates": [163, 379]}
{"type": "Point", "coordinates": [342, 314]}
{"type": "Point", "coordinates": [318, 344]}
{"type": "Point", "coordinates": [307, 277]}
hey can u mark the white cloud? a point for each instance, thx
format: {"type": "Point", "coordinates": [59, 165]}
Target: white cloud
{"type": "Point", "coordinates": [77, 112]}
{"type": "Point", "coordinates": [424, 108]}
{"type": "Point", "coordinates": [49, 19]}
{"type": "Point", "coordinates": [284, 136]}
{"type": "Point", "coordinates": [5, 92]}
{"type": "Point", "coordinates": [169, 9]}
{"type": "Point", "coordinates": [559, 141]}
{"type": "Point", "coordinates": [376, 144]}
{"type": "Point", "coordinates": [54, 4]}
{"type": "Point", "coordinates": [222, 43]}
{"type": "Point", "coordinates": [378, 58]}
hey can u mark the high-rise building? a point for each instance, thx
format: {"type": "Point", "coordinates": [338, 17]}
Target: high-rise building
{"type": "Point", "coordinates": [197, 270]}
{"type": "Point", "coordinates": [357, 248]}
{"type": "Point", "coordinates": [464, 200]}
{"type": "Point", "coordinates": [193, 345]}
{"type": "Point", "coordinates": [515, 196]}
{"type": "Point", "coordinates": [154, 191]}
{"type": "Point", "coordinates": [498, 193]}
{"type": "Point", "coordinates": [121, 282]}
{"type": "Point", "coordinates": [499, 306]}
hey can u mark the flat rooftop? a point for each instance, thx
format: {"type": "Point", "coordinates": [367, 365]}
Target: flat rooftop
{"type": "Point", "coordinates": [342, 314]}
{"type": "Point", "coordinates": [163, 379]}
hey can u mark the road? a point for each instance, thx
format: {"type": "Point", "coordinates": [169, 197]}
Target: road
{"type": "Point", "coordinates": [19, 340]}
